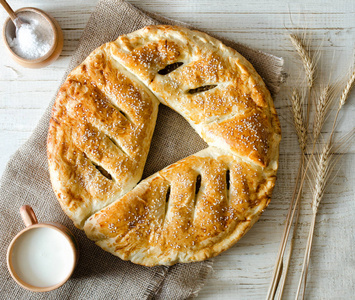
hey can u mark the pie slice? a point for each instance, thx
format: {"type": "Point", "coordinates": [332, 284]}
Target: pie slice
{"type": "Point", "coordinates": [189, 211]}
{"type": "Point", "coordinates": [99, 136]}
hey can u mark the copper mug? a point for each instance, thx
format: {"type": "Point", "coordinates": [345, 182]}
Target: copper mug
{"type": "Point", "coordinates": [43, 256]}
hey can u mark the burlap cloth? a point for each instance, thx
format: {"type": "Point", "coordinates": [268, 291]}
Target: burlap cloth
{"type": "Point", "coordinates": [100, 275]}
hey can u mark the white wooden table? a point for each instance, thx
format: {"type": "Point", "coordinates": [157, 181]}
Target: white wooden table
{"type": "Point", "coordinates": [244, 271]}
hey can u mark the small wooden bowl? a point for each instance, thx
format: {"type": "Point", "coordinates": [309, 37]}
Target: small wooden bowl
{"type": "Point", "coordinates": [53, 32]}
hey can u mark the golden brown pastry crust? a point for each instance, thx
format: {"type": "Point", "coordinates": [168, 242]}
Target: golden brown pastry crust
{"type": "Point", "coordinates": [100, 132]}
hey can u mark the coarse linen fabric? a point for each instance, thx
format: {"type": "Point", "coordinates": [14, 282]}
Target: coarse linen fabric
{"type": "Point", "coordinates": [100, 275]}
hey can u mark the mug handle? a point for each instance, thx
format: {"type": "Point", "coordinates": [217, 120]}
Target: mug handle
{"type": "Point", "coordinates": [28, 215]}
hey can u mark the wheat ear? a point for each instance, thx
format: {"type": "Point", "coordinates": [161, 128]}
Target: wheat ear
{"type": "Point", "coordinates": [344, 96]}
{"type": "Point", "coordinates": [346, 91]}
{"type": "Point", "coordinates": [298, 119]}
{"type": "Point", "coordinates": [323, 169]}
{"type": "Point", "coordinates": [322, 106]}
{"type": "Point", "coordinates": [308, 64]}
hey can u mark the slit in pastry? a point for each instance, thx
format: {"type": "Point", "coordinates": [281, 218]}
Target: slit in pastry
{"type": "Point", "coordinates": [201, 89]}
{"type": "Point", "coordinates": [170, 68]}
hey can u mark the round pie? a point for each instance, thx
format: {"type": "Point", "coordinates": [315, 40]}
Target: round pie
{"type": "Point", "coordinates": [102, 125]}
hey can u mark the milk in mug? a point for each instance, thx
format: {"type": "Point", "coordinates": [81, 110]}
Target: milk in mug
{"type": "Point", "coordinates": [42, 257]}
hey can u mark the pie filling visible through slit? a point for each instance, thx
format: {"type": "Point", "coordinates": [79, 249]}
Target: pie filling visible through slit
{"type": "Point", "coordinates": [100, 132]}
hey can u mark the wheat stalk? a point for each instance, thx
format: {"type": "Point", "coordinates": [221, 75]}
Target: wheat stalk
{"type": "Point", "coordinates": [279, 261]}
{"type": "Point", "coordinates": [308, 63]}
{"type": "Point", "coordinates": [322, 107]}
{"type": "Point", "coordinates": [301, 126]}
{"type": "Point", "coordinates": [287, 263]}
{"type": "Point", "coordinates": [323, 168]}
{"type": "Point", "coordinates": [301, 131]}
